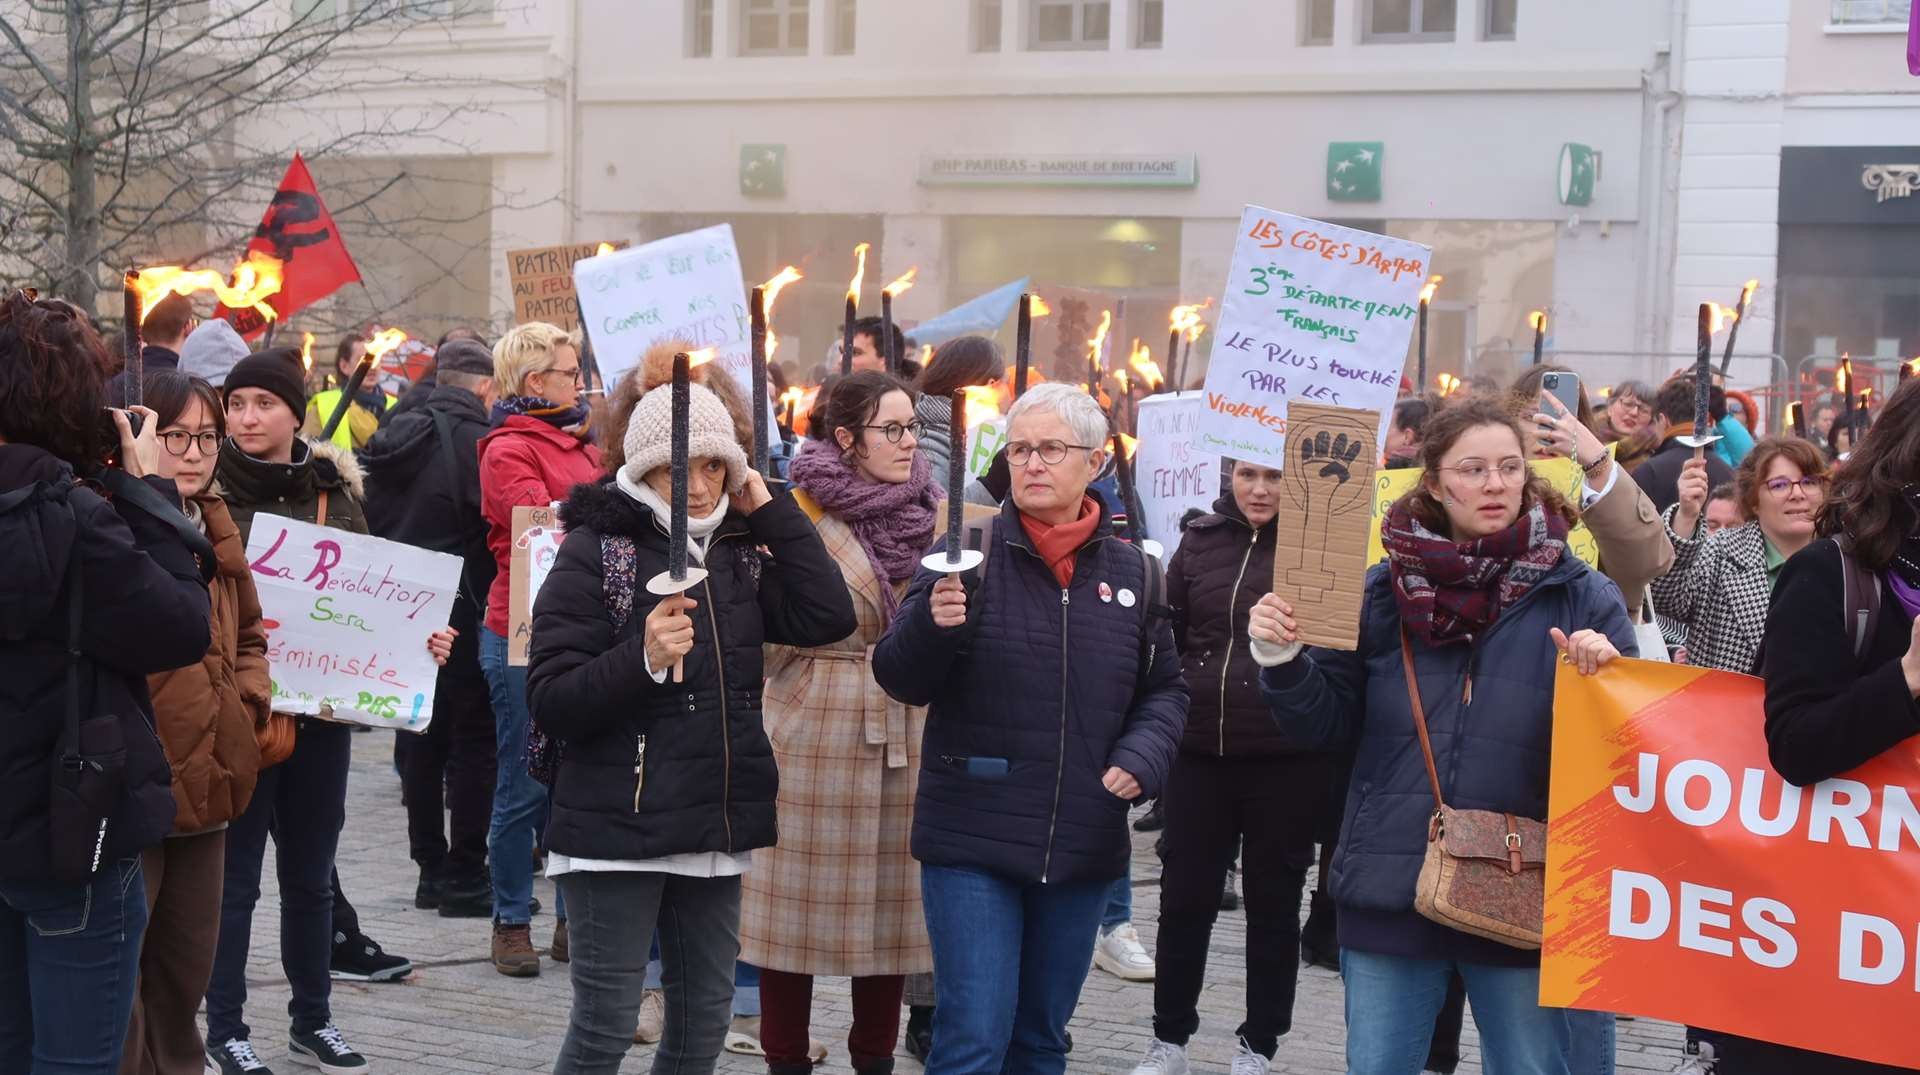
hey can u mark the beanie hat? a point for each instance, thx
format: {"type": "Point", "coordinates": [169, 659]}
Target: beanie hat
{"type": "Point", "coordinates": [649, 439]}
{"type": "Point", "coordinates": [278, 370]}
{"type": "Point", "coordinates": [464, 356]}
{"type": "Point", "coordinates": [212, 351]}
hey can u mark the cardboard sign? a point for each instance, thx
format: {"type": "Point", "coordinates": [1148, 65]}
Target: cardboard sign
{"type": "Point", "coordinates": [1687, 881]}
{"type": "Point", "coordinates": [1312, 312]}
{"type": "Point", "coordinates": [1319, 562]}
{"type": "Point", "coordinates": [347, 619]}
{"type": "Point", "coordinates": [543, 283]}
{"type": "Point", "coordinates": [536, 543]}
{"type": "Point", "coordinates": [1564, 474]}
{"type": "Point", "coordinates": [686, 287]}
{"type": "Point", "coordinates": [1173, 474]}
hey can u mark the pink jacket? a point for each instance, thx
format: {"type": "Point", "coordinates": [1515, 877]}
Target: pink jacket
{"type": "Point", "coordinates": [525, 463]}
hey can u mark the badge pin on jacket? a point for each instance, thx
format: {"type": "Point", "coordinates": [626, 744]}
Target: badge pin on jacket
{"type": "Point", "coordinates": [1106, 593]}
{"type": "Point", "coordinates": [1126, 598]}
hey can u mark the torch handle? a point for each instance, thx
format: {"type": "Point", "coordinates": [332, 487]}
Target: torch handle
{"type": "Point", "coordinates": [680, 670]}
{"type": "Point", "coordinates": [354, 382]}
{"type": "Point", "coordinates": [762, 451]}
{"type": "Point", "coordinates": [135, 351]}
{"type": "Point", "coordinates": [1023, 346]}
{"type": "Point", "coordinates": [846, 340]}
{"type": "Point", "coordinates": [956, 474]}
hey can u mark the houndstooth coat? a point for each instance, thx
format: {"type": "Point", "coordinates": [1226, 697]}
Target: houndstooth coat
{"type": "Point", "coordinates": [839, 894]}
{"type": "Point", "coordinates": [1718, 590]}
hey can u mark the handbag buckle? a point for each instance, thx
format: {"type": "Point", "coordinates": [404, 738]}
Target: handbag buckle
{"type": "Point", "coordinates": [1514, 861]}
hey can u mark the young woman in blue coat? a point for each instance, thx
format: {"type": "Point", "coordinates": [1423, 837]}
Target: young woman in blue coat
{"type": "Point", "coordinates": [1480, 582]}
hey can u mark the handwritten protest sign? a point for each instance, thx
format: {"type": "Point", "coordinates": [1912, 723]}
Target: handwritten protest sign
{"type": "Point", "coordinates": [1173, 474]}
{"type": "Point", "coordinates": [1563, 474]}
{"type": "Point", "coordinates": [536, 543]}
{"type": "Point", "coordinates": [542, 280]}
{"type": "Point", "coordinates": [1688, 881]}
{"type": "Point", "coordinates": [1317, 562]}
{"type": "Point", "coordinates": [686, 287]}
{"type": "Point", "coordinates": [347, 621]}
{"type": "Point", "coordinates": [985, 441]}
{"type": "Point", "coordinates": [1312, 312]}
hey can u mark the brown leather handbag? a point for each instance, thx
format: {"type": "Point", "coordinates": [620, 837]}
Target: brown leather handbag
{"type": "Point", "coordinates": [276, 736]}
{"type": "Point", "coordinates": [1485, 873]}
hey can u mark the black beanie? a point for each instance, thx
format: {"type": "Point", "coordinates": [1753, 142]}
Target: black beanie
{"type": "Point", "coordinates": [278, 370]}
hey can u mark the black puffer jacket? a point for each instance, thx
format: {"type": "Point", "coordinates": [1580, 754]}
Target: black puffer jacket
{"type": "Point", "coordinates": [292, 490]}
{"type": "Point", "coordinates": [144, 610]}
{"type": "Point", "coordinates": [426, 492]}
{"type": "Point", "coordinates": [707, 778]}
{"type": "Point", "coordinates": [1221, 570]}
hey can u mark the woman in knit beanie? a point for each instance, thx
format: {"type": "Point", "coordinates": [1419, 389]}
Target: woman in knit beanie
{"type": "Point", "coordinates": [665, 779]}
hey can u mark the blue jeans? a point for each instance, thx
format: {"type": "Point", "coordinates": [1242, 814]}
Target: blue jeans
{"type": "Point", "coordinates": [1009, 959]}
{"type": "Point", "coordinates": [746, 991]}
{"type": "Point", "coordinates": [69, 955]}
{"type": "Point", "coordinates": [1391, 1002]}
{"type": "Point", "coordinates": [518, 799]}
{"type": "Point", "coordinates": [1119, 910]}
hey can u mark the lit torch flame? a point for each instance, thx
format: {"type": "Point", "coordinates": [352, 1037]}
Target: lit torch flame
{"type": "Point", "coordinates": [1188, 320]}
{"type": "Point", "coordinates": [983, 405]}
{"type": "Point", "coordinates": [1142, 362]}
{"type": "Point", "coordinates": [859, 274]}
{"type": "Point", "coordinates": [1718, 317]}
{"type": "Point", "coordinates": [1746, 293]}
{"type": "Point", "coordinates": [256, 278]}
{"type": "Point", "coordinates": [1914, 367]}
{"type": "Point", "coordinates": [926, 355]}
{"type": "Point", "coordinates": [1426, 293]}
{"type": "Point", "coordinates": [790, 399]}
{"type": "Point", "coordinates": [1099, 341]}
{"type": "Point", "coordinates": [1039, 308]}
{"type": "Point", "coordinates": [904, 283]}
{"type": "Point", "coordinates": [773, 288]}
{"type": "Point", "coordinates": [1127, 444]}
{"type": "Point", "coordinates": [701, 357]}
{"type": "Point", "coordinates": [1537, 320]}
{"type": "Point", "coordinates": [306, 350]}
{"type": "Point", "coordinates": [1448, 384]}
{"type": "Point", "coordinates": [603, 250]}
{"type": "Point", "coordinates": [383, 343]}
{"type": "Point", "coordinates": [1843, 378]}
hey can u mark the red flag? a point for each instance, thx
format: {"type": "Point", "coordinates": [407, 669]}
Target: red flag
{"type": "Point", "coordinates": [301, 233]}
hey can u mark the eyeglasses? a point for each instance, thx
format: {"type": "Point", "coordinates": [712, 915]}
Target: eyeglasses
{"type": "Point", "coordinates": [1051, 452]}
{"type": "Point", "coordinates": [893, 430]}
{"type": "Point", "coordinates": [1808, 486]}
{"type": "Point", "coordinates": [1476, 471]}
{"type": "Point", "coordinates": [178, 440]}
{"type": "Point", "coordinates": [1633, 406]}
{"type": "Point", "coordinates": [572, 374]}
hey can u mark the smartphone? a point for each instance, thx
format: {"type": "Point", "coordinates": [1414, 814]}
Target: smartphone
{"type": "Point", "coordinates": [1564, 387]}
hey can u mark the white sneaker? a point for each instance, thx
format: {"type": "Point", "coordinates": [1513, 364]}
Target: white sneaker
{"type": "Point", "coordinates": [1121, 954]}
{"type": "Point", "coordinates": [1703, 1064]}
{"type": "Point", "coordinates": [1248, 1062]}
{"type": "Point", "coordinates": [1163, 1058]}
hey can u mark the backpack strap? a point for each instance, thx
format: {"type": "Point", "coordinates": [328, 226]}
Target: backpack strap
{"type": "Point", "coordinates": [1153, 609]}
{"type": "Point", "coordinates": [808, 504]}
{"type": "Point", "coordinates": [1859, 599]}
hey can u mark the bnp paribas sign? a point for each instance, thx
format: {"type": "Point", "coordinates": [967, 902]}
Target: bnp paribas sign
{"type": "Point", "coordinates": [1019, 170]}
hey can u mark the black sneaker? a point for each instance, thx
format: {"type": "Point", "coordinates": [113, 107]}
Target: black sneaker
{"type": "Point", "coordinates": [426, 895]}
{"type": "Point", "coordinates": [235, 1056]}
{"type": "Point", "coordinates": [326, 1049]}
{"type": "Point", "coordinates": [466, 898]}
{"type": "Point", "coordinates": [1153, 820]}
{"type": "Point", "coordinates": [360, 959]}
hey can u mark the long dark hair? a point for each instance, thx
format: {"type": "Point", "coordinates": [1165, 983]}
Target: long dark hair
{"type": "Point", "coordinates": [53, 372]}
{"type": "Point", "coordinates": [852, 403]}
{"type": "Point", "coordinates": [1446, 428]}
{"type": "Point", "coordinates": [1869, 496]}
{"type": "Point", "coordinates": [169, 392]}
{"type": "Point", "coordinates": [959, 363]}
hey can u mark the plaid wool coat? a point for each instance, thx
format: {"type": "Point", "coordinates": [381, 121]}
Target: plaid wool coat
{"type": "Point", "coordinates": [839, 894]}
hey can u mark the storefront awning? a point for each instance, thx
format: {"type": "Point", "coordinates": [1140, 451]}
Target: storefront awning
{"type": "Point", "coordinates": [984, 314]}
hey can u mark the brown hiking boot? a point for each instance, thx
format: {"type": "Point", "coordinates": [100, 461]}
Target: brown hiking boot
{"type": "Point", "coordinates": [513, 953]}
{"type": "Point", "coordinates": [558, 951]}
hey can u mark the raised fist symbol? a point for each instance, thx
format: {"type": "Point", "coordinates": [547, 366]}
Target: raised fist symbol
{"type": "Point", "coordinates": [1333, 455]}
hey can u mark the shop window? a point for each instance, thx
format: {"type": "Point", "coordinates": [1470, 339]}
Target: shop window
{"type": "Point", "coordinates": [1069, 24]}
{"type": "Point", "coordinates": [843, 27]}
{"type": "Point", "coordinates": [1401, 21]}
{"type": "Point", "coordinates": [774, 28]}
{"type": "Point", "coordinates": [700, 25]}
{"type": "Point", "coordinates": [986, 25]}
{"type": "Point", "coordinates": [1501, 16]}
{"type": "Point", "coordinates": [1149, 18]}
{"type": "Point", "coordinates": [1871, 12]}
{"type": "Point", "coordinates": [1316, 22]}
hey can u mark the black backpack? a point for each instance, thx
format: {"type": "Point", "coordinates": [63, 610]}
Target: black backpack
{"type": "Point", "coordinates": [1859, 599]}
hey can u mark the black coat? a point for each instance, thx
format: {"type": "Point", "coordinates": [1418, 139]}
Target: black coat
{"type": "Point", "coordinates": [1056, 684]}
{"type": "Point", "coordinates": [1221, 570]}
{"type": "Point", "coordinates": [707, 779]}
{"type": "Point", "coordinates": [427, 494]}
{"type": "Point", "coordinates": [144, 610]}
{"type": "Point", "coordinates": [1659, 476]}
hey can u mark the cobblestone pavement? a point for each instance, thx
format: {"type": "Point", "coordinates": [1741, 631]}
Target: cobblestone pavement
{"type": "Point", "coordinates": [456, 1014]}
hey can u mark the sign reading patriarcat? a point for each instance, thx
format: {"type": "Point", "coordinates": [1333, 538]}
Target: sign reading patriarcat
{"type": "Point", "coordinates": [543, 283]}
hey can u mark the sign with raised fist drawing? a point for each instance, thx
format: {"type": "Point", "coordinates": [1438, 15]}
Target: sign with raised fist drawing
{"type": "Point", "coordinates": [1320, 562]}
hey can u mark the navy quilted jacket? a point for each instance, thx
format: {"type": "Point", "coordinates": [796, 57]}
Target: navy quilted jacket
{"type": "Point", "coordinates": [1491, 751]}
{"type": "Point", "coordinates": [1057, 684]}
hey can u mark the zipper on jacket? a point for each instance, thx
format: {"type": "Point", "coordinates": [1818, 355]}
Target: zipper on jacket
{"type": "Point", "coordinates": [726, 742]}
{"type": "Point", "coordinates": [1060, 760]}
{"type": "Point", "coordinates": [1226, 662]}
{"type": "Point", "coordinates": [639, 769]}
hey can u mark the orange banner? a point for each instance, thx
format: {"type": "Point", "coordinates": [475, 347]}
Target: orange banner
{"type": "Point", "coordinates": [1687, 881]}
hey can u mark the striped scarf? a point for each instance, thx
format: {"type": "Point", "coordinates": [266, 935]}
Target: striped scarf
{"type": "Point", "coordinates": [1451, 591]}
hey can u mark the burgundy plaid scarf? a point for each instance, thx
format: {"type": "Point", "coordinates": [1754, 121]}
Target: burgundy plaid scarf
{"type": "Point", "coordinates": [1448, 591]}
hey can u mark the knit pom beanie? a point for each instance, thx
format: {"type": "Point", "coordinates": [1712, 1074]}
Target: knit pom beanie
{"type": "Point", "coordinates": [649, 438]}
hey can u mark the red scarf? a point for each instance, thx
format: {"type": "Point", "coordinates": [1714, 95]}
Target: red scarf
{"type": "Point", "coordinates": [1058, 545]}
{"type": "Point", "coordinates": [1449, 591]}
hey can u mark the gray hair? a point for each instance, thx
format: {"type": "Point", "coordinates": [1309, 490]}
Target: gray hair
{"type": "Point", "coordinates": [1079, 411]}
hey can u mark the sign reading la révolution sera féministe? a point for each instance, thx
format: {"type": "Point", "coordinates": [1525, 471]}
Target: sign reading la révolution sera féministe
{"type": "Point", "coordinates": [1013, 169]}
{"type": "Point", "coordinates": [1311, 311]}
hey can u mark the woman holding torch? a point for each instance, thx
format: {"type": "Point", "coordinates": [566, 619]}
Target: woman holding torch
{"type": "Point", "coordinates": [665, 779]}
{"type": "Point", "coordinates": [840, 894]}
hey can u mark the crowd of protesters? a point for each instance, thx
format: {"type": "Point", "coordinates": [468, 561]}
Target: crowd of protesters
{"type": "Point", "coordinates": [829, 759]}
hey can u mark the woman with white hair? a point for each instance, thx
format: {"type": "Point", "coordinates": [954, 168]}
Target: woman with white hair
{"type": "Point", "coordinates": [1056, 701]}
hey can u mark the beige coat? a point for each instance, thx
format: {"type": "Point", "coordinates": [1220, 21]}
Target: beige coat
{"type": "Point", "coordinates": [839, 895]}
{"type": "Point", "coordinates": [1634, 549]}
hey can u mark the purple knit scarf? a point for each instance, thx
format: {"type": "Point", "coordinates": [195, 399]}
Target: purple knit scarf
{"type": "Point", "coordinates": [894, 521]}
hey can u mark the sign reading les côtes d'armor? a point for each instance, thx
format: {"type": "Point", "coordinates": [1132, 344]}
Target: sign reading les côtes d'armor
{"type": "Point", "coordinates": [348, 618]}
{"type": "Point", "coordinates": [1314, 312]}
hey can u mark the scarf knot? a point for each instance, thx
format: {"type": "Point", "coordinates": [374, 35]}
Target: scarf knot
{"type": "Point", "coordinates": [1450, 591]}
{"type": "Point", "coordinates": [566, 419]}
{"type": "Point", "coordinates": [893, 521]}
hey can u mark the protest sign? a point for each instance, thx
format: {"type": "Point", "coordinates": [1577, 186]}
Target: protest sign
{"type": "Point", "coordinates": [536, 543]}
{"type": "Point", "coordinates": [1313, 312]}
{"type": "Point", "coordinates": [542, 280]}
{"type": "Point", "coordinates": [347, 619]}
{"type": "Point", "coordinates": [1173, 474]}
{"type": "Point", "coordinates": [686, 287]}
{"type": "Point", "coordinates": [1563, 474]}
{"type": "Point", "coordinates": [1318, 566]}
{"type": "Point", "coordinates": [1687, 881]}
{"type": "Point", "coordinates": [985, 441]}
